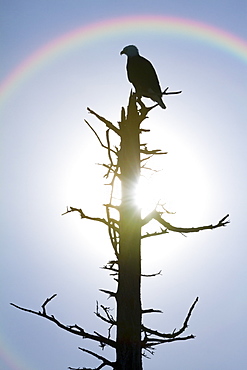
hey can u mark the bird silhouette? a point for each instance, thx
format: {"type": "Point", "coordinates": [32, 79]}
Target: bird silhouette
{"type": "Point", "coordinates": [142, 75]}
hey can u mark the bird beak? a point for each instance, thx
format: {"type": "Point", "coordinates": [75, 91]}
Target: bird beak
{"type": "Point", "coordinates": [122, 52]}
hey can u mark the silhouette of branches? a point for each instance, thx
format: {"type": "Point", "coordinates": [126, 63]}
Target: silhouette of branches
{"type": "Point", "coordinates": [104, 360]}
{"type": "Point", "coordinates": [165, 92]}
{"type": "Point", "coordinates": [106, 122]}
{"type": "Point", "coordinates": [148, 338]}
{"type": "Point", "coordinates": [98, 219]}
{"type": "Point", "coordinates": [73, 329]}
{"type": "Point", "coordinates": [155, 337]}
{"type": "Point", "coordinates": [155, 215]}
{"type": "Point", "coordinates": [144, 110]}
{"type": "Point", "coordinates": [151, 337]}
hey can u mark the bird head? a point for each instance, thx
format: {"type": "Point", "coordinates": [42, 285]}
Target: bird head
{"type": "Point", "coordinates": [130, 51]}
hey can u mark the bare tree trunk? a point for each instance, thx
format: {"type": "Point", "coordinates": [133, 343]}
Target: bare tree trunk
{"type": "Point", "coordinates": [125, 235]}
{"type": "Point", "coordinates": [128, 294]}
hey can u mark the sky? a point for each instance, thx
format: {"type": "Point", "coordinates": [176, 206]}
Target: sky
{"type": "Point", "coordinates": [59, 57]}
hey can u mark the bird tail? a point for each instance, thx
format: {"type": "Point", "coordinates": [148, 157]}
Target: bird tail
{"type": "Point", "coordinates": [160, 102]}
{"type": "Point", "coordinates": [156, 97]}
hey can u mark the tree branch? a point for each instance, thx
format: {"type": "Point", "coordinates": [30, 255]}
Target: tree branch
{"type": "Point", "coordinates": [151, 310]}
{"type": "Point", "coordinates": [165, 92]}
{"type": "Point", "coordinates": [156, 233]}
{"type": "Point", "coordinates": [168, 337]}
{"type": "Point", "coordinates": [155, 342]}
{"type": "Point", "coordinates": [109, 318]}
{"type": "Point", "coordinates": [98, 219]}
{"type": "Point", "coordinates": [115, 271]}
{"type": "Point", "coordinates": [155, 215]}
{"type": "Point", "coordinates": [144, 110]}
{"type": "Point", "coordinates": [152, 275]}
{"type": "Point", "coordinates": [82, 214]}
{"type": "Point", "coordinates": [101, 143]}
{"type": "Point", "coordinates": [104, 360]}
{"type": "Point", "coordinates": [152, 152]}
{"type": "Point", "coordinates": [47, 301]}
{"type": "Point", "coordinates": [111, 294]}
{"type": "Point", "coordinates": [74, 329]}
{"type": "Point", "coordinates": [221, 223]}
{"type": "Point", "coordinates": [105, 121]}
{"type": "Point", "coordinates": [112, 230]}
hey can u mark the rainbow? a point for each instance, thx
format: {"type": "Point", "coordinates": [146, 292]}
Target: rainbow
{"type": "Point", "coordinates": [85, 35]}
{"type": "Point", "coordinates": [13, 362]}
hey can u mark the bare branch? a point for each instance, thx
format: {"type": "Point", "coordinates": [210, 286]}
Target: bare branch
{"type": "Point", "coordinates": [47, 301]}
{"type": "Point", "coordinates": [221, 223]}
{"type": "Point", "coordinates": [95, 133]}
{"type": "Point", "coordinates": [144, 110]}
{"type": "Point", "coordinates": [185, 324]}
{"type": "Point", "coordinates": [112, 230]}
{"type": "Point", "coordinates": [162, 205]}
{"type": "Point", "coordinates": [123, 115]}
{"type": "Point", "coordinates": [155, 215]}
{"type": "Point", "coordinates": [109, 146]}
{"type": "Point", "coordinates": [152, 275]}
{"type": "Point", "coordinates": [105, 121]}
{"type": "Point", "coordinates": [155, 342]}
{"type": "Point", "coordinates": [149, 217]}
{"type": "Point", "coordinates": [108, 319]}
{"type": "Point", "coordinates": [151, 310]}
{"type": "Point", "coordinates": [156, 233]}
{"type": "Point", "coordinates": [111, 294]}
{"type": "Point", "coordinates": [74, 329]}
{"type": "Point", "coordinates": [165, 92]}
{"type": "Point", "coordinates": [82, 214]}
{"type": "Point", "coordinates": [98, 219]}
{"type": "Point", "coordinates": [152, 152]}
{"type": "Point", "coordinates": [146, 158]}
{"type": "Point", "coordinates": [111, 269]}
{"type": "Point", "coordinates": [110, 168]}
{"type": "Point", "coordinates": [168, 337]}
{"type": "Point", "coordinates": [104, 360]}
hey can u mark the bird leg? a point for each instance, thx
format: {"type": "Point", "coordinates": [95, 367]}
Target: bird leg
{"type": "Point", "coordinates": [143, 106]}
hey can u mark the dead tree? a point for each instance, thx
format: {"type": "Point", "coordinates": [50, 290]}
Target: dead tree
{"type": "Point", "coordinates": [124, 223]}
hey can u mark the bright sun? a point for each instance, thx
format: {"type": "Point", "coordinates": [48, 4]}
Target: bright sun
{"type": "Point", "coordinates": [179, 182]}
{"type": "Point", "coordinates": [148, 193]}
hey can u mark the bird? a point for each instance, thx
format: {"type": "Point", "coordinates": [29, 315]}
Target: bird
{"type": "Point", "coordinates": [142, 75]}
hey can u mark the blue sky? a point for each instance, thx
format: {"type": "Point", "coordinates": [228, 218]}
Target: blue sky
{"type": "Point", "coordinates": [48, 158]}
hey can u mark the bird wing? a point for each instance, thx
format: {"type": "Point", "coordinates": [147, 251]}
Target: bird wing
{"type": "Point", "coordinates": [142, 75]}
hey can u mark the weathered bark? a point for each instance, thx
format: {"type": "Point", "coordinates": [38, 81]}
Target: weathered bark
{"type": "Point", "coordinates": [129, 259]}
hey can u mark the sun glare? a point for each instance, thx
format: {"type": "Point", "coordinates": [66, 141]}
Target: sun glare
{"type": "Point", "coordinates": [177, 183]}
{"type": "Point", "coordinates": [148, 193]}
{"type": "Point", "coordinates": [180, 185]}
